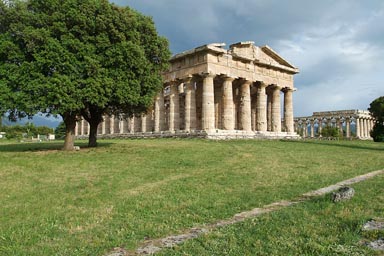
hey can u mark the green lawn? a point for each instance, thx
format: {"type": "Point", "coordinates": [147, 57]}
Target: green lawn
{"type": "Point", "coordinates": [125, 191]}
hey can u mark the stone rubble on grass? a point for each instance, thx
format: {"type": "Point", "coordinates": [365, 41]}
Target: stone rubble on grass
{"type": "Point", "coordinates": [377, 245]}
{"type": "Point", "coordinates": [343, 194]}
{"type": "Point", "coordinates": [374, 224]}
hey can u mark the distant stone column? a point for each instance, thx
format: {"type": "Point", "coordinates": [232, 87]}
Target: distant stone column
{"type": "Point", "coordinates": [357, 123]}
{"type": "Point", "coordinates": [362, 128]}
{"type": "Point", "coordinates": [312, 127]}
{"type": "Point", "coordinates": [159, 112]}
{"type": "Point", "coordinates": [103, 125]}
{"type": "Point", "coordinates": [320, 127]}
{"type": "Point", "coordinates": [365, 128]}
{"type": "Point", "coordinates": [269, 108]}
{"type": "Point", "coordinates": [143, 123]}
{"type": "Point", "coordinates": [261, 108]}
{"type": "Point", "coordinates": [288, 110]}
{"type": "Point", "coordinates": [82, 127]}
{"type": "Point", "coordinates": [174, 114]}
{"type": "Point", "coordinates": [228, 106]}
{"type": "Point", "coordinates": [112, 124]}
{"type": "Point", "coordinates": [190, 105]}
{"type": "Point", "coordinates": [121, 125]}
{"type": "Point", "coordinates": [276, 112]}
{"type": "Point", "coordinates": [208, 106]}
{"type": "Point", "coordinates": [347, 127]}
{"type": "Point", "coordinates": [245, 109]}
{"type": "Point", "coordinates": [340, 124]}
{"type": "Point", "coordinates": [77, 128]}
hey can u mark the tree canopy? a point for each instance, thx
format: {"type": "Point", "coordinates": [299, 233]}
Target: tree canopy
{"type": "Point", "coordinates": [78, 58]}
{"type": "Point", "coordinates": [377, 111]}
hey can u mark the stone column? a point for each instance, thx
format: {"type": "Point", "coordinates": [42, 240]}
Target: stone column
{"type": "Point", "coordinates": [269, 109]}
{"type": "Point", "coordinates": [77, 128]}
{"type": "Point", "coordinates": [112, 124]}
{"type": "Point", "coordinates": [245, 109]}
{"type": "Point", "coordinates": [347, 127]}
{"type": "Point", "coordinates": [340, 124]}
{"type": "Point", "coordinates": [228, 107]}
{"type": "Point", "coordinates": [159, 112]}
{"type": "Point", "coordinates": [365, 128]}
{"type": "Point", "coordinates": [82, 127]}
{"type": "Point", "coordinates": [276, 112]}
{"type": "Point", "coordinates": [121, 125]}
{"type": "Point", "coordinates": [320, 127]}
{"type": "Point", "coordinates": [208, 106]}
{"type": "Point", "coordinates": [357, 122]}
{"type": "Point", "coordinates": [190, 105]}
{"type": "Point", "coordinates": [143, 123]}
{"type": "Point", "coordinates": [174, 114]}
{"type": "Point", "coordinates": [312, 127]}
{"type": "Point", "coordinates": [103, 125]}
{"type": "Point", "coordinates": [261, 108]}
{"type": "Point", "coordinates": [288, 110]}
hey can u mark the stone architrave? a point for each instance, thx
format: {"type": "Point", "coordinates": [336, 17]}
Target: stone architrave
{"type": "Point", "coordinates": [276, 112]}
{"type": "Point", "coordinates": [208, 103]}
{"type": "Point", "coordinates": [228, 105]}
{"type": "Point", "coordinates": [261, 110]}
{"type": "Point", "coordinates": [245, 118]}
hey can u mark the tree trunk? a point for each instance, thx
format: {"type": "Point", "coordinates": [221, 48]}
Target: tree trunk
{"type": "Point", "coordinates": [92, 139]}
{"type": "Point", "coordinates": [70, 125]}
{"type": "Point", "coordinates": [94, 116]}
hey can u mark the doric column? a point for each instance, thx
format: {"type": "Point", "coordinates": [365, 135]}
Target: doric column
{"type": "Point", "coordinates": [103, 125]}
{"type": "Point", "coordinates": [208, 106]}
{"type": "Point", "coordinates": [82, 128]}
{"type": "Point", "coordinates": [320, 127]}
{"type": "Point", "coordinates": [174, 114]}
{"type": "Point", "coordinates": [269, 108]}
{"type": "Point", "coordinates": [312, 127]}
{"type": "Point", "coordinates": [361, 128]}
{"type": "Point", "coordinates": [276, 112]}
{"type": "Point", "coordinates": [159, 112]}
{"type": "Point", "coordinates": [365, 128]}
{"type": "Point", "coordinates": [347, 127]}
{"type": "Point", "coordinates": [357, 123]}
{"type": "Point", "coordinates": [228, 107]}
{"type": "Point", "coordinates": [144, 122]}
{"type": "Point", "coordinates": [121, 125]}
{"type": "Point", "coordinates": [190, 105]}
{"type": "Point", "coordinates": [112, 124]}
{"type": "Point", "coordinates": [245, 108]}
{"type": "Point", "coordinates": [261, 108]}
{"type": "Point", "coordinates": [340, 124]}
{"type": "Point", "coordinates": [288, 110]}
{"type": "Point", "coordinates": [77, 128]}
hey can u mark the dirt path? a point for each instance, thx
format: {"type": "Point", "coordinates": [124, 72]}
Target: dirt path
{"type": "Point", "coordinates": [152, 246]}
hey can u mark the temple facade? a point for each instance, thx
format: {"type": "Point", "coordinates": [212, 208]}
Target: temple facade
{"type": "Point", "coordinates": [210, 91]}
{"type": "Point", "coordinates": [351, 123]}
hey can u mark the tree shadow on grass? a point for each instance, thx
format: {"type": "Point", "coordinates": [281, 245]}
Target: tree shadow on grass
{"type": "Point", "coordinates": [345, 144]}
{"type": "Point", "coordinates": [44, 146]}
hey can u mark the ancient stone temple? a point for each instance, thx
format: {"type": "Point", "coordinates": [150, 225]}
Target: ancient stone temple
{"type": "Point", "coordinates": [210, 91]}
{"type": "Point", "coordinates": [351, 123]}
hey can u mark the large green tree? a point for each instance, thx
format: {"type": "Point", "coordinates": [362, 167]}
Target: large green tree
{"type": "Point", "coordinates": [377, 111]}
{"type": "Point", "coordinates": [80, 58]}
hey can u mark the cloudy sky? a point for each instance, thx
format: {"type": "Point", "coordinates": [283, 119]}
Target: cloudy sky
{"type": "Point", "coordinates": [337, 45]}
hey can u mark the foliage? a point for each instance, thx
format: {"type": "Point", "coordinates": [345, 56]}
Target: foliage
{"type": "Point", "coordinates": [60, 131]}
{"type": "Point", "coordinates": [377, 111]}
{"type": "Point", "coordinates": [76, 57]}
{"type": "Point", "coordinates": [119, 194]}
{"type": "Point", "coordinates": [329, 131]}
{"type": "Point", "coordinates": [28, 130]}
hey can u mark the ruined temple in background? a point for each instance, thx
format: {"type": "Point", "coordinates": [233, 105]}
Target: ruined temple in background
{"type": "Point", "coordinates": [218, 93]}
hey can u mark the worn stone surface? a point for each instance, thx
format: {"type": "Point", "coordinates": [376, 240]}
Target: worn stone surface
{"type": "Point", "coordinates": [343, 194]}
{"type": "Point", "coordinates": [375, 224]}
{"type": "Point", "coordinates": [377, 245]}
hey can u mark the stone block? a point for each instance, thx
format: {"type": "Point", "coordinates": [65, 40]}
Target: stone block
{"type": "Point", "coordinates": [343, 194]}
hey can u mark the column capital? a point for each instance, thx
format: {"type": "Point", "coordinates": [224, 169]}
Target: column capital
{"type": "Point", "coordinates": [288, 89]}
{"type": "Point", "coordinates": [207, 74]}
{"type": "Point", "coordinates": [227, 78]}
{"type": "Point", "coordinates": [261, 84]}
{"type": "Point", "coordinates": [246, 82]}
{"type": "Point", "coordinates": [187, 78]}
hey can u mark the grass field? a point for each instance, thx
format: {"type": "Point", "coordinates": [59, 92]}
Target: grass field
{"type": "Point", "coordinates": [126, 191]}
